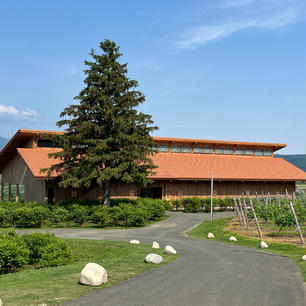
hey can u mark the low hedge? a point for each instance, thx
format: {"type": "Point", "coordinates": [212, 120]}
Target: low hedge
{"type": "Point", "coordinates": [196, 204]}
{"type": "Point", "coordinates": [123, 212]}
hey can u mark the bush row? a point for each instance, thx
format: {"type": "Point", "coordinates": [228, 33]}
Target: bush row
{"type": "Point", "coordinates": [196, 204]}
{"type": "Point", "coordinates": [42, 250]}
{"type": "Point", "coordinates": [124, 213]}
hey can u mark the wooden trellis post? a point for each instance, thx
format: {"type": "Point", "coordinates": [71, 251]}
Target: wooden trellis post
{"type": "Point", "coordinates": [296, 222]}
{"type": "Point", "coordinates": [255, 218]}
{"type": "Point", "coordinates": [279, 202]}
{"type": "Point", "coordinates": [237, 210]}
{"type": "Point", "coordinates": [287, 195]}
{"type": "Point", "coordinates": [269, 198]}
{"type": "Point", "coordinates": [266, 202]}
{"type": "Point", "coordinates": [242, 213]}
{"type": "Point", "coordinates": [257, 197]}
{"type": "Point", "coordinates": [245, 211]}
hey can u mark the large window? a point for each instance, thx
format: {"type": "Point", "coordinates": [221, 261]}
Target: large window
{"type": "Point", "coordinates": [163, 148]}
{"type": "Point", "coordinates": [248, 152]}
{"type": "Point", "coordinates": [258, 152]}
{"type": "Point", "coordinates": [226, 151]}
{"type": "Point", "coordinates": [180, 149]}
{"type": "Point", "coordinates": [207, 150]}
{"type": "Point", "coordinates": [44, 143]}
{"type": "Point", "coordinates": [267, 153]}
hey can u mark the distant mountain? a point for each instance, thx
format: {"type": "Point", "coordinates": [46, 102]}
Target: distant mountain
{"type": "Point", "coordinates": [299, 160]}
{"type": "Point", "coordinates": [3, 142]}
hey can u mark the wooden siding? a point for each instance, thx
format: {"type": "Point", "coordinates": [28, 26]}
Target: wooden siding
{"type": "Point", "coordinates": [179, 189]}
{"type": "Point", "coordinates": [17, 172]}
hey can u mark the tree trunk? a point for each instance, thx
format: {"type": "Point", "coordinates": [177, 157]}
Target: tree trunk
{"type": "Point", "coordinates": [106, 199]}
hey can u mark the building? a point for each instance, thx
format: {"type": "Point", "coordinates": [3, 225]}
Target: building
{"type": "Point", "coordinates": [184, 169]}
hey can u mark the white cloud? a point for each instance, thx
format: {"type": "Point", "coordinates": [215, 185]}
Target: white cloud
{"type": "Point", "coordinates": [13, 112]}
{"type": "Point", "coordinates": [8, 110]}
{"type": "Point", "coordinates": [238, 15]}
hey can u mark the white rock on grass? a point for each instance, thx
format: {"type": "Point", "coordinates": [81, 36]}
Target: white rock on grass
{"type": "Point", "coordinates": [169, 249]}
{"type": "Point", "coordinates": [93, 275]}
{"type": "Point", "coordinates": [263, 245]}
{"type": "Point", "coordinates": [303, 258]}
{"type": "Point", "coordinates": [232, 238]}
{"type": "Point", "coordinates": [134, 242]}
{"type": "Point", "coordinates": [155, 245]}
{"type": "Point", "coordinates": [153, 258]}
{"type": "Point", "coordinates": [210, 235]}
{"type": "Point", "coordinates": [1, 302]}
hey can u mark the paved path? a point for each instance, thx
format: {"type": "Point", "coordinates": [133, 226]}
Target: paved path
{"type": "Point", "coordinates": [207, 272]}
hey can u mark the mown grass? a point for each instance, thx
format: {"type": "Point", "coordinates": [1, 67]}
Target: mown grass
{"type": "Point", "coordinates": [217, 227]}
{"type": "Point", "coordinates": [54, 286]}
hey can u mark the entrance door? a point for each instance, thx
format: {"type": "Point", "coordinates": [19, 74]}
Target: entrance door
{"type": "Point", "coordinates": [152, 192]}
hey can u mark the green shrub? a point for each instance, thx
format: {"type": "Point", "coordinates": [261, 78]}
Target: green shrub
{"type": "Point", "coordinates": [154, 208]}
{"type": "Point", "coordinates": [115, 215]}
{"type": "Point", "coordinates": [127, 214]}
{"type": "Point", "coordinates": [56, 253]}
{"type": "Point", "coordinates": [117, 202]}
{"type": "Point", "coordinates": [205, 204]}
{"type": "Point", "coordinates": [100, 216]}
{"type": "Point", "coordinates": [79, 214]}
{"type": "Point", "coordinates": [167, 205]}
{"type": "Point", "coordinates": [60, 214]}
{"type": "Point", "coordinates": [176, 204]}
{"type": "Point", "coordinates": [13, 252]}
{"type": "Point", "coordinates": [35, 242]}
{"type": "Point", "coordinates": [3, 216]}
{"type": "Point", "coordinates": [30, 216]}
{"type": "Point", "coordinates": [191, 205]}
{"type": "Point", "coordinates": [138, 217]}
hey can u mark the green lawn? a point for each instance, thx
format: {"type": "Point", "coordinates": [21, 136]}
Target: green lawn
{"type": "Point", "coordinates": [218, 229]}
{"type": "Point", "coordinates": [54, 286]}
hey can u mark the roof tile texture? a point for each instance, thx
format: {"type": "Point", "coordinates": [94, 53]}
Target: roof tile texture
{"type": "Point", "coordinates": [192, 166]}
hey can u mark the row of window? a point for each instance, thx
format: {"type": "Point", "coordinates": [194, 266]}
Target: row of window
{"type": "Point", "coordinates": [209, 150]}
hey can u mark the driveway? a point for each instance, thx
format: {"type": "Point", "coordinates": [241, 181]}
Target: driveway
{"type": "Point", "coordinates": [207, 272]}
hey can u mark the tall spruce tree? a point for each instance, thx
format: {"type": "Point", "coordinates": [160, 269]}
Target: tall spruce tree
{"type": "Point", "coordinates": [107, 139]}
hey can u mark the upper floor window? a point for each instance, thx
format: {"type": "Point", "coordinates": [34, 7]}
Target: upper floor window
{"type": "Point", "coordinates": [198, 150]}
{"type": "Point", "coordinates": [219, 150]}
{"type": "Point", "coordinates": [163, 148]}
{"type": "Point", "coordinates": [207, 150]}
{"type": "Point", "coordinates": [267, 153]}
{"type": "Point", "coordinates": [248, 152]}
{"type": "Point", "coordinates": [44, 143]}
{"type": "Point", "coordinates": [258, 152]}
{"type": "Point", "coordinates": [202, 150]}
{"type": "Point", "coordinates": [226, 151]}
{"type": "Point", "coordinates": [180, 149]}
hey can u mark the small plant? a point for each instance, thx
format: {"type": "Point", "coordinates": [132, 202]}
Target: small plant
{"type": "Point", "coordinates": [100, 216]}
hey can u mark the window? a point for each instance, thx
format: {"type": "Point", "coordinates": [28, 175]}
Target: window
{"type": "Point", "coordinates": [198, 150]}
{"type": "Point", "coordinates": [219, 151]}
{"type": "Point", "coordinates": [248, 152]}
{"type": "Point", "coordinates": [228, 151]}
{"type": "Point", "coordinates": [175, 149]}
{"type": "Point", "coordinates": [182, 149]}
{"type": "Point", "coordinates": [154, 148]}
{"type": "Point", "coordinates": [258, 152]}
{"type": "Point", "coordinates": [239, 152]}
{"type": "Point", "coordinates": [207, 150]}
{"type": "Point", "coordinates": [163, 148]}
{"type": "Point", "coordinates": [267, 153]}
{"type": "Point", "coordinates": [185, 149]}
{"type": "Point", "coordinates": [44, 143]}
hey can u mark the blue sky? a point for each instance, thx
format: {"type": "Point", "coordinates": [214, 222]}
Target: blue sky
{"type": "Point", "coordinates": [218, 69]}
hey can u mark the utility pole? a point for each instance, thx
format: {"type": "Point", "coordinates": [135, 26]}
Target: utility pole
{"type": "Point", "coordinates": [211, 196]}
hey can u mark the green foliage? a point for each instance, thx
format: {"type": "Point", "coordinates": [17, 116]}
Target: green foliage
{"type": "Point", "coordinates": [60, 214]}
{"type": "Point", "coordinates": [115, 215]}
{"type": "Point", "coordinates": [79, 214]}
{"type": "Point", "coordinates": [30, 216]}
{"type": "Point", "coordinates": [35, 242]}
{"type": "Point", "coordinates": [191, 205]}
{"type": "Point", "coordinates": [105, 128]}
{"type": "Point", "coordinates": [155, 208]}
{"type": "Point", "coordinates": [3, 216]}
{"type": "Point", "coordinates": [13, 252]}
{"type": "Point", "coordinates": [100, 216]}
{"type": "Point", "coordinates": [55, 253]}
{"type": "Point", "coordinates": [176, 204]}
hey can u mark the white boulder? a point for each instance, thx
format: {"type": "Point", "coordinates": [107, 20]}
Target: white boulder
{"type": "Point", "coordinates": [232, 238]}
{"type": "Point", "coordinates": [263, 245]}
{"type": "Point", "coordinates": [134, 242]}
{"type": "Point", "coordinates": [155, 245]}
{"type": "Point", "coordinates": [210, 235]}
{"type": "Point", "coordinates": [303, 258]}
{"type": "Point", "coordinates": [93, 275]}
{"type": "Point", "coordinates": [153, 258]}
{"type": "Point", "coordinates": [169, 249]}
{"type": "Point", "coordinates": [1, 302]}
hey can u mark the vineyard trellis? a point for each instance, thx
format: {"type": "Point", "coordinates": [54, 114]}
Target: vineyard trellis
{"type": "Point", "coordinates": [272, 215]}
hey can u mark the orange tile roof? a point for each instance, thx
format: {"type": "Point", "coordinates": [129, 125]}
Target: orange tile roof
{"type": "Point", "coordinates": [225, 167]}
{"type": "Point", "coordinates": [193, 166]}
{"type": "Point", "coordinates": [37, 158]}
